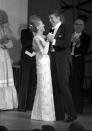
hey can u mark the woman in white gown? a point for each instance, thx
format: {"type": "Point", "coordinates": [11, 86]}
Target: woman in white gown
{"type": "Point", "coordinates": [43, 107]}
{"type": "Point", "coordinates": [8, 94]}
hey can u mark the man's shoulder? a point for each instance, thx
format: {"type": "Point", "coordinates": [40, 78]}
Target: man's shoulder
{"type": "Point", "coordinates": [26, 32]}
{"type": "Point", "coordinates": [86, 35]}
{"type": "Point", "coordinates": [63, 27]}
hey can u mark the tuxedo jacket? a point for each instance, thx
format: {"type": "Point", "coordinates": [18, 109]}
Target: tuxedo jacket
{"type": "Point", "coordinates": [62, 45]}
{"type": "Point", "coordinates": [60, 68]}
{"type": "Point", "coordinates": [26, 41]}
{"type": "Point", "coordinates": [84, 44]}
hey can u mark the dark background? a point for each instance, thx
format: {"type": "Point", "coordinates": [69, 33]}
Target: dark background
{"type": "Point", "coordinates": [71, 9]}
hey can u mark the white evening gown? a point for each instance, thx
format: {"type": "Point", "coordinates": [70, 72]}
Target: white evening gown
{"type": "Point", "coordinates": [43, 107]}
{"type": "Point", "coordinates": [8, 93]}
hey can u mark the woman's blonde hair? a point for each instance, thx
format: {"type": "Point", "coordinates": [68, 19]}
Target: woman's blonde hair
{"type": "Point", "coordinates": [34, 22]}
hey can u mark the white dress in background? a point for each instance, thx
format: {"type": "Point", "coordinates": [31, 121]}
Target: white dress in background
{"type": "Point", "coordinates": [43, 107]}
{"type": "Point", "coordinates": [8, 94]}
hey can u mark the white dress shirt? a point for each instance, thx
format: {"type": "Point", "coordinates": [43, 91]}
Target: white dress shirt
{"type": "Point", "coordinates": [76, 35]}
{"type": "Point", "coordinates": [55, 31]}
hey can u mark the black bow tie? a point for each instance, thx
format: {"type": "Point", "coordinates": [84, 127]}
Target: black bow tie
{"type": "Point", "coordinates": [51, 31]}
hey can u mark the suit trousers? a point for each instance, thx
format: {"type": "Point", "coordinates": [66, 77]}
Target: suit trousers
{"type": "Point", "coordinates": [60, 77]}
{"type": "Point", "coordinates": [28, 83]}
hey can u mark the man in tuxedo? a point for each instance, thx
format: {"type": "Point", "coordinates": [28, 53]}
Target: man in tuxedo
{"type": "Point", "coordinates": [28, 72]}
{"type": "Point", "coordinates": [60, 67]}
{"type": "Point", "coordinates": [80, 42]}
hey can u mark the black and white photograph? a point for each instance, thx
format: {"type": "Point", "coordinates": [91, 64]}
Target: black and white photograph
{"type": "Point", "coordinates": [45, 65]}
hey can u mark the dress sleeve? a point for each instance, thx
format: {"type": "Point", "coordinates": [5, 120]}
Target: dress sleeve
{"type": "Point", "coordinates": [40, 45]}
{"type": "Point", "coordinates": [37, 46]}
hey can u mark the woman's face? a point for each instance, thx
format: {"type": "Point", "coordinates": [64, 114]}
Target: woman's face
{"type": "Point", "coordinates": [41, 26]}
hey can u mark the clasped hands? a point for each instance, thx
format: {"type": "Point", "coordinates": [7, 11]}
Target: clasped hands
{"type": "Point", "coordinates": [50, 38]}
{"type": "Point", "coordinates": [6, 43]}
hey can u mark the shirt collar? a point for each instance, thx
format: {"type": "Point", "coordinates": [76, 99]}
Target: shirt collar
{"type": "Point", "coordinates": [57, 25]}
{"type": "Point", "coordinates": [78, 33]}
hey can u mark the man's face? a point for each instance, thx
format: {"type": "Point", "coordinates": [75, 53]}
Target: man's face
{"type": "Point", "coordinates": [79, 25]}
{"type": "Point", "coordinates": [54, 19]}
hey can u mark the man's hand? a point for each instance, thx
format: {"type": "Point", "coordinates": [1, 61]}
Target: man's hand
{"type": "Point", "coordinates": [50, 37]}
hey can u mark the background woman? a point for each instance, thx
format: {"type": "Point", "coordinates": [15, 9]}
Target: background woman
{"type": "Point", "coordinates": [8, 94]}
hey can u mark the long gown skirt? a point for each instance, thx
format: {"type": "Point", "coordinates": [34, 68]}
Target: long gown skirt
{"type": "Point", "coordinates": [8, 94]}
{"type": "Point", "coordinates": [43, 108]}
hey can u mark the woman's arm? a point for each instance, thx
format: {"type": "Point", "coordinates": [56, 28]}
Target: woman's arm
{"type": "Point", "coordinates": [40, 45]}
{"type": "Point", "coordinates": [37, 47]}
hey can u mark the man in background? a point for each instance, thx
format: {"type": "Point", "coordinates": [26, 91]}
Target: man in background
{"type": "Point", "coordinates": [28, 72]}
{"type": "Point", "coordinates": [80, 42]}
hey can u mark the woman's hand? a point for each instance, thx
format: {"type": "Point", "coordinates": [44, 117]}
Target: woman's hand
{"type": "Point", "coordinates": [2, 46]}
{"type": "Point", "coordinates": [8, 44]}
{"type": "Point", "coordinates": [50, 37]}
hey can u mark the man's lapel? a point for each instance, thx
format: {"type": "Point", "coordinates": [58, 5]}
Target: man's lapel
{"type": "Point", "coordinates": [59, 31]}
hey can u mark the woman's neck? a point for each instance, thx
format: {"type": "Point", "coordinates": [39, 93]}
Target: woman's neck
{"type": "Point", "coordinates": [40, 33]}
